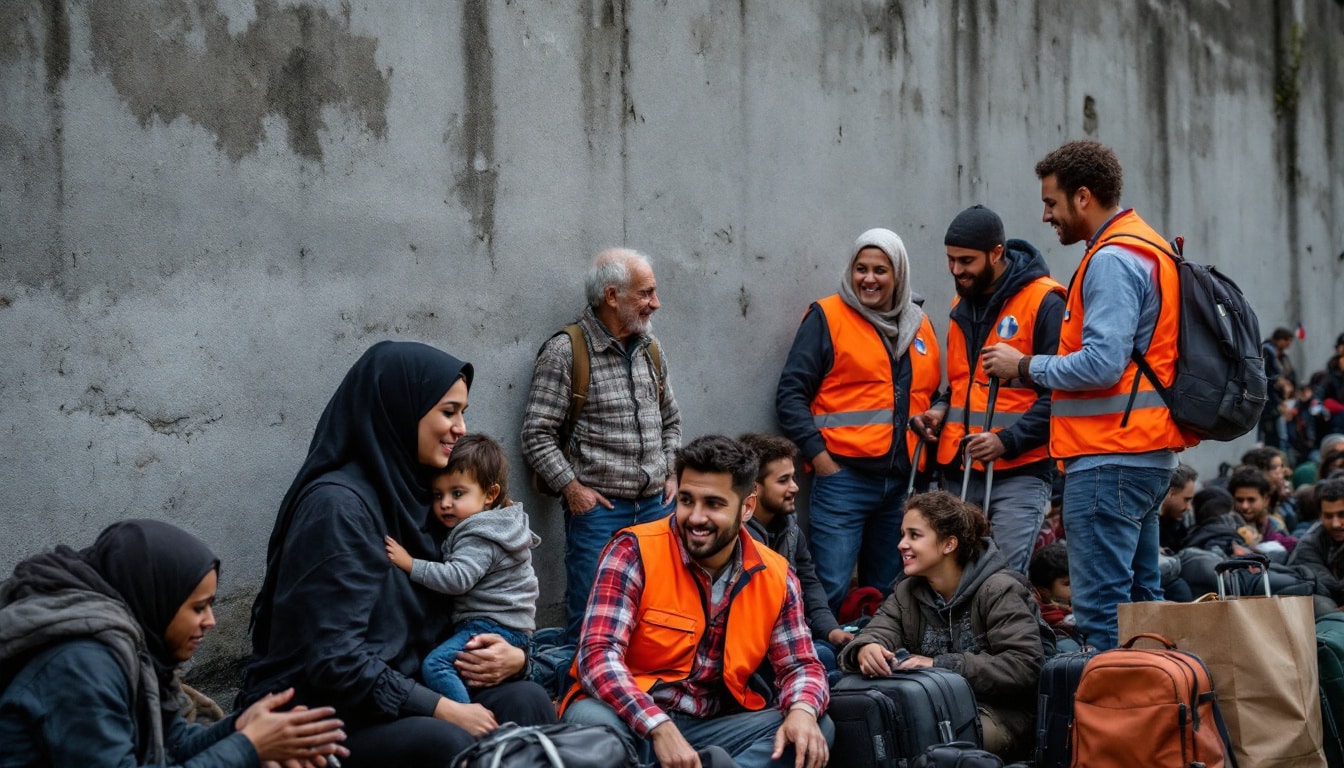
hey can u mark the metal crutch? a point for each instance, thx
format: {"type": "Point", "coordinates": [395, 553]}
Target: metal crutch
{"type": "Point", "coordinates": [989, 422]}
{"type": "Point", "coordinates": [965, 454]}
{"type": "Point", "coordinates": [914, 465]}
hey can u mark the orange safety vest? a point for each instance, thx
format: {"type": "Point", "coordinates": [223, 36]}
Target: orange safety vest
{"type": "Point", "coordinates": [855, 408]}
{"type": "Point", "coordinates": [1015, 327]}
{"type": "Point", "coordinates": [671, 617]}
{"type": "Point", "coordinates": [1094, 421]}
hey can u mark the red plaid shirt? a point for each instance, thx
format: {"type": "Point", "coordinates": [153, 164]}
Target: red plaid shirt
{"type": "Point", "coordinates": [610, 619]}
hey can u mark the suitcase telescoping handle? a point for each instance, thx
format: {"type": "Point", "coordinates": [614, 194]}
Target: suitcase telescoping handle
{"type": "Point", "coordinates": [1251, 562]}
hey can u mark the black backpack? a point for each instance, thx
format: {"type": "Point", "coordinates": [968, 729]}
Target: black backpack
{"type": "Point", "coordinates": [1220, 385]}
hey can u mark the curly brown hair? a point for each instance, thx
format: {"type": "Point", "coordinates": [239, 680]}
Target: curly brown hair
{"type": "Point", "coordinates": [1088, 164]}
{"type": "Point", "coordinates": [949, 516]}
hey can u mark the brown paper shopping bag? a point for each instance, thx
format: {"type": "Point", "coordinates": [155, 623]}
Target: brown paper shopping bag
{"type": "Point", "coordinates": [1261, 655]}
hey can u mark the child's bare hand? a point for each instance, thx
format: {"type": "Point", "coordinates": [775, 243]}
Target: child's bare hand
{"type": "Point", "coordinates": [474, 718]}
{"type": "Point", "coordinates": [398, 554]}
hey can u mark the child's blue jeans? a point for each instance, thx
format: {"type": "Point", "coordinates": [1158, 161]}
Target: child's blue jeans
{"type": "Point", "coordinates": [438, 670]}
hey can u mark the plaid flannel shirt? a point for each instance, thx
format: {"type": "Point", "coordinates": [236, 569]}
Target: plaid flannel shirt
{"type": "Point", "coordinates": [800, 677]}
{"type": "Point", "coordinates": [625, 439]}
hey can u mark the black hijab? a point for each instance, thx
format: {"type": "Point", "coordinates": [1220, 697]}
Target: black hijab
{"type": "Point", "coordinates": [368, 441]}
{"type": "Point", "coordinates": [150, 566]}
{"type": "Point", "coordinates": [154, 567]}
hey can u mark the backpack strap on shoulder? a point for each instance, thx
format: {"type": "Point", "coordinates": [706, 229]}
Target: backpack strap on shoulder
{"type": "Point", "coordinates": [656, 357]}
{"type": "Point", "coordinates": [580, 374]}
{"type": "Point", "coordinates": [1172, 251]}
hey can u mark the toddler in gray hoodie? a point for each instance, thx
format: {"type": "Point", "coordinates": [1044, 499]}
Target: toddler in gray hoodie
{"type": "Point", "coordinates": [487, 559]}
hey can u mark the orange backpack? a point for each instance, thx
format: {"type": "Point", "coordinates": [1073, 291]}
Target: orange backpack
{"type": "Point", "coordinates": [1151, 708]}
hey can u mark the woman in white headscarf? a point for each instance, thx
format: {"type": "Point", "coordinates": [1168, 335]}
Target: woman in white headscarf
{"type": "Point", "coordinates": [863, 361]}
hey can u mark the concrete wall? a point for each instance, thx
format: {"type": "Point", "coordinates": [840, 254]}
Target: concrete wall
{"type": "Point", "coordinates": [209, 208]}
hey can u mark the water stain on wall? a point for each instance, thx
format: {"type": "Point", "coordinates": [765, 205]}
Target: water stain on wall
{"type": "Point", "coordinates": [477, 182]}
{"type": "Point", "coordinates": [176, 58]}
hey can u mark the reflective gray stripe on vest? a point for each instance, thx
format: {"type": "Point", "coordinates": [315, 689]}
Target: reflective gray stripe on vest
{"type": "Point", "coordinates": [853, 418]}
{"type": "Point", "coordinates": [1106, 406]}
{"type": "Point", "coordinates": [1001, 418]}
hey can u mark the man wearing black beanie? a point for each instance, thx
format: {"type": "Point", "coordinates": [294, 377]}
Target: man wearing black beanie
{"type": "Point", "coordinates": [1004, 294]}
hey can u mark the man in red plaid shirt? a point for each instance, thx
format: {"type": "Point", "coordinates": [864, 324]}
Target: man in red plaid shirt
{"type": "Point", "coordinates": [661, 657]}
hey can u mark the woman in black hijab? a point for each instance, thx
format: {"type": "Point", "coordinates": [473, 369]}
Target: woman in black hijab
{"type": "Point", "coordinates": [337, 621]}
{"type": "Point", "coordinates": [90, 642]}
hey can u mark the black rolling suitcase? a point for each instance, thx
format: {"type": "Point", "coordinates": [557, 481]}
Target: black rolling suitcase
{"type": "Point", "coordinates": [864, 722]}
{"type": "Point", "coordinates": [1054, 707]}
{"type": "Point", "coordinates": [886, 722]}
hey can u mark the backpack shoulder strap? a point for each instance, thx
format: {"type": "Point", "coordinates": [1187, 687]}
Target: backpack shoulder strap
{"type": "Point", "coordinates": [1173, 252]}
{"type": "Point", "coordinates": [580, 374]}
{"type": "Point", "coordinates": [656, 357]}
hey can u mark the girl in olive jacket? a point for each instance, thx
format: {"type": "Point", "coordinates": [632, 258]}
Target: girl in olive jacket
{"type": "Point", "coordinates": [960, 608]}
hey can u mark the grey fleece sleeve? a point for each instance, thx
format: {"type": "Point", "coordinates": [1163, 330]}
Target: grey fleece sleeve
{"type": "Point", "coordinates": [471, 558]}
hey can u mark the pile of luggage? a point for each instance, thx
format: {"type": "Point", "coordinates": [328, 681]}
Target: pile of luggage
{"type": "Point", "coordinates": [1225, 681]}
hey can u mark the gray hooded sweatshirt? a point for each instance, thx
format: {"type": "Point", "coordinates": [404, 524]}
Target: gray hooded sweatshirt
{"type": "Point", "coordinates": [487, 564]}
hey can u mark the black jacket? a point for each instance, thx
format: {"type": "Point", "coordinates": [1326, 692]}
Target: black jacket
{"type": "Point", "coordinates": [785, 537]}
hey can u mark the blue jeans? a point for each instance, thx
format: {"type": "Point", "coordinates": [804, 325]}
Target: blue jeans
{"type": "Point", "coordinates": [855, 516]}
{"type": "Point", "coordinates": [1110, 523]}
{"type": "Point", "coordinates": [585, 537]}
{"type": "Point", "coordinates": [748, 736]}
{"type": "Point", "coordinates": [438, 670]}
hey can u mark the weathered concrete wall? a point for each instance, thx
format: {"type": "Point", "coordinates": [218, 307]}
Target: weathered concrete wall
{"type": "Point", "coordinates": [209, 208]}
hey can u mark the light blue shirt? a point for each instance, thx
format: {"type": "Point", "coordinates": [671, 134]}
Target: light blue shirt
{"type": "Point", "coordinates": [1122, 301]}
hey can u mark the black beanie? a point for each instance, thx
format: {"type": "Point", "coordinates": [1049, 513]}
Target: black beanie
{"type": "Point", "coordinates": [977, 228]}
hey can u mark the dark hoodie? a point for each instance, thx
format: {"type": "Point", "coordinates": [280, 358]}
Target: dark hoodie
{"type": "Point", "coordinates": [977, 316]}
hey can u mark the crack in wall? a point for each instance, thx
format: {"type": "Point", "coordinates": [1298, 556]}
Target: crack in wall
{"type": "Point", "coordinates": [95, 402]}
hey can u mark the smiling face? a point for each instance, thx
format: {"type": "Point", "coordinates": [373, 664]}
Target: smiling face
{"type": "Point", "coordinates": [1251, 504]}
{"type": "Point", "coordinates": [442, 426]}
{"type": "Point", "coordinates": [1060, 212]}
{"type": "Point", "coordinates": [636, 304]}
{"type": "Point", "coordinates": [709, 516]}
{"type": "Point", "coordinates": [458, 496]}
{"type": "Point", "coordinates": [1332, 519]}
{"type": "Point", "coordinates": [872, 279]}
{"type": "Point", "coordinates": [196, 616]}
{"type": "Point", "coordinates": [921, 550]}
{"type": "Point", "coordinates": [973, 270]}
{"type": "Point", "coordinates": [777, 492]}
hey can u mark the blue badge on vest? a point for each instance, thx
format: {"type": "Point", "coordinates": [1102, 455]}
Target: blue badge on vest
{"type": "Point", "coordinates": [1066, 315]}
{"type": "Point", "coordinates": [1007, 328]}
{"type": "Point", "coordinates": [919, 346]}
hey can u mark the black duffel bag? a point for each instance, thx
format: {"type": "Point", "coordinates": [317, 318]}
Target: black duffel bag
{"type": "Point", "coordinates": [563, 745]}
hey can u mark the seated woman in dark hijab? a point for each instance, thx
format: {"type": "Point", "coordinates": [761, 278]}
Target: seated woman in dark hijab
{"type": "Point", "coordinates": [334, 618]}
{"type": "Point", "coordinates": [89, 643]}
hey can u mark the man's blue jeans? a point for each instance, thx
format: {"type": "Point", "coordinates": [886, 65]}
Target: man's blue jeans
{"type": "Point", "coordinates": [854, 516]}
{"type": "Point", "coordinates": [748, 736]}
{"type": "Point", "coordinates": [1110, 523]}
{"type": "Point", "coordinates": [441, 675]}
{"type": "Point", "coordinates": [585, 537]}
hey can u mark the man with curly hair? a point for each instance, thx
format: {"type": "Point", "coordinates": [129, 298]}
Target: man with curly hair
{"type": "Point", "coordinates": [1108, 422]}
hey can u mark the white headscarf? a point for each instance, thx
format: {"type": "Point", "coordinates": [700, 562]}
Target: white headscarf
{"type": "Point", "coordinates": [899, 324]}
